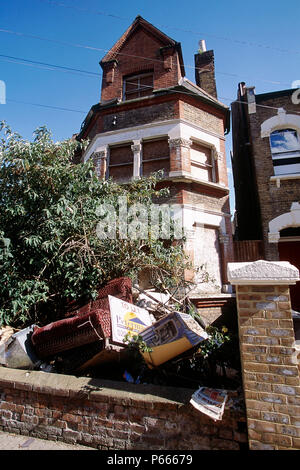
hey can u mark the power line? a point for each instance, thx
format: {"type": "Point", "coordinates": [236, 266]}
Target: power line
{"type": "Point", "coordinates": [145, 86]}
{"type": "Point", "coordinates": [71, 44]}
{"type": "Point", "coordinates": [47, 106]}
{"type": "Point", "coordinates": [222, 38]}
{"type": "Point", "coordinates": [121, 54]}
{"type": "Point", "coordinates": [46, 66]}
{"type": "Point", "coordinates": [221, 98]}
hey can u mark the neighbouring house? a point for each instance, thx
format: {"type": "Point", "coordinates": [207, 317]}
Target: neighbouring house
{"type": "Point", "coordinates": [151, 117]}
{"type": "Point", "coordinates": [266, 171]}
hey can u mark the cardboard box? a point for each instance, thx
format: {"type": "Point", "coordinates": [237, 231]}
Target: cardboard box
{"type": "Point", "coordinates": [170, 336]}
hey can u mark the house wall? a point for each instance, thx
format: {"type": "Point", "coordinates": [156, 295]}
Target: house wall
{"type": "Point", "coordinates": [274, 199]}
{"type": "Point", "coordinates": [186, 117]}
{"type": "Point", "coordinates": [140, 52]}
{"type": "Point", "coordinates": [274, 195]}
{"type": "Point", "coordinates": [203, 202]}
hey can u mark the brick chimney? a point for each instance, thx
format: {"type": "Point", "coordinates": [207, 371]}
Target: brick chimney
{"type": "Point", "coordinates": [205, 69]}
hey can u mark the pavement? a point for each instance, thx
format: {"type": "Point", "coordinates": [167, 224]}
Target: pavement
{"type": "Point", "coordinates": [9, 441]}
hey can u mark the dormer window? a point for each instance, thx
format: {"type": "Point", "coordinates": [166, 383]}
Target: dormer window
{"type": "Point", "coordinates": [136, 86]}
{"type": "Point", "coordinates": [285, 148]}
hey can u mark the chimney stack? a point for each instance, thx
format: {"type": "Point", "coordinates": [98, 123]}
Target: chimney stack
{"type": "Point", "coordinates": [205, 69]}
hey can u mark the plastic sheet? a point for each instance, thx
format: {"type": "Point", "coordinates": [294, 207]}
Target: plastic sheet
{"type": "Point", "coordinates": [17, 352]}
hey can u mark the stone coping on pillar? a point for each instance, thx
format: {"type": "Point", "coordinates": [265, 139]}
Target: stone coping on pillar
{"type": "Point", "coordinates": [262, 272]}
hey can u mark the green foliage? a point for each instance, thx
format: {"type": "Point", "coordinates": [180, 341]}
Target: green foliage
{"type": "Point", "coordinates": [50, 253]}
{"type": "Point", "coordinates": [211, 346]}
{"type": "Point", "coordinates": [136, 342]}
{"type": "Point", "coordinates": [220, 349]}
{"type": "Point", "coordinates": [207, 363]}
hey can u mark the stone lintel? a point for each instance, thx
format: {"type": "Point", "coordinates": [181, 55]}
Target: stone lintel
{"type": "Point", "coordinates": [262, 272]}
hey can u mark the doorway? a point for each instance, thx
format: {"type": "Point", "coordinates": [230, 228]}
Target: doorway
{"type": "Point", "coordinates": [289, 250]}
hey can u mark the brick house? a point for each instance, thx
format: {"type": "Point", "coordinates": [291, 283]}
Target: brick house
{"type": "Point", "coordinates": [151, 117]}
{"type": "Point", "coordinates": [266, 171]}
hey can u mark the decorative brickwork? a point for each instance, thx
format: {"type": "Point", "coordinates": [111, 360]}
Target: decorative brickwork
{"type": "Point", "coordinates": [135, 115]}
{"type": "Point", "coordinates": [99, 159]}
{"type": "Point", "coordinates": [180, 155]}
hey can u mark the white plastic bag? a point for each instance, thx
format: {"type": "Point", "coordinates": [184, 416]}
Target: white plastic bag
{"type": "Point", "coordinates": [17, 351]}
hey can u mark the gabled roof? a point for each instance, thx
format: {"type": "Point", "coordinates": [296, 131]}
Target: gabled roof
{"type": "Point", "coordinates": [140, 22]}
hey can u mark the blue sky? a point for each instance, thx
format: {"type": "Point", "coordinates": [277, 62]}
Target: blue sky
{"type": "Point", "coordinates": [256, 42]}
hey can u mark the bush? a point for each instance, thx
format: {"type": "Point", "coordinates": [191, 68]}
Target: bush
{"type": "Point", "coordinates": [50, 253]}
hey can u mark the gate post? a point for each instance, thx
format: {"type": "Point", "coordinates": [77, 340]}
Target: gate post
{"type": "Point", "coordinates": [270, 368]}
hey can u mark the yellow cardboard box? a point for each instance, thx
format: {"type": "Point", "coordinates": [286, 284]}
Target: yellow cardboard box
{"type": "Point", "coordinates": [170, 336]}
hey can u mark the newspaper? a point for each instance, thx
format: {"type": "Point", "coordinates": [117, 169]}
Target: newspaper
{"type": "Point", "coordinates": [210, 401]}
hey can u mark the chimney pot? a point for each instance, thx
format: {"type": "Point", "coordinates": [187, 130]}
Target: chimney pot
{"type": "Point", "coordinates": [202, 46]}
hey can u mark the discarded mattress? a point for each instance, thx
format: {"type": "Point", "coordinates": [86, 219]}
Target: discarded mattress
{"type": "Point", "coordinates": [88, 324]}
{"type": "Point", "coordinates": [70, 333]}
{"type": "Point", "coordinates": [120, 288]}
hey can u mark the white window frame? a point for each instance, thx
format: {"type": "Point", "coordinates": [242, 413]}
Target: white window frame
{"type": "Point", "coordinates": [285, 161]}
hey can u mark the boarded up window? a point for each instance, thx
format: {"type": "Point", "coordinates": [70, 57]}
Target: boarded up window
{"type": "Point", "coordinates": [156, 156]}
{"type": "Point", "coordinates": [201, 162]}
{"type": "Point", "coordinates": [120, 163]}
{"type": "Point", "coordinates": [137, 86]}
{"type": "Point", "coordinates": [207, 253]}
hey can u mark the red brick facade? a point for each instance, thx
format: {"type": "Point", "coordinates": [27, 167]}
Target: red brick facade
{"type": "Point", "coordinates": [142, 48]}
{"type": "Point", "coordinates": [169, 123]}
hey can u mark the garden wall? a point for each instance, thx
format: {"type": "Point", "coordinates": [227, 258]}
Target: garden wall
{"type": "Point", "coordinates": [114, 415]}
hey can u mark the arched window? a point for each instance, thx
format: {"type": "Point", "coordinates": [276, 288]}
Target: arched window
{"type": "Point", "coordinates": [285, 148]}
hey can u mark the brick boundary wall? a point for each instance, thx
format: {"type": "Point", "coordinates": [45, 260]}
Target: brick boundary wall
{"type": "Point", "coordinates": [270, 367]}
{"type": "Point", "coordinates": [113, 415]}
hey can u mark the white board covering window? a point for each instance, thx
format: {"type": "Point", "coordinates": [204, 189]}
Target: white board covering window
{"type": "Point", "coordinates": [202, 164]}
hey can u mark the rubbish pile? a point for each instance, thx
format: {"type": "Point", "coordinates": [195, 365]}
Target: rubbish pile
{"type": "Point", "coordinates": [100, 333]}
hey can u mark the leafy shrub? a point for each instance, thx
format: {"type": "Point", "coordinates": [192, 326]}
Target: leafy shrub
{"type": "Point", "coordinates": [50, 253]}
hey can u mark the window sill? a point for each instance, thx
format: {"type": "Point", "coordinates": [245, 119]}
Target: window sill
{"type": "Point", "coordinates": [187, 177]}
{"type": "Point", "coordinates": [183, 177]}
